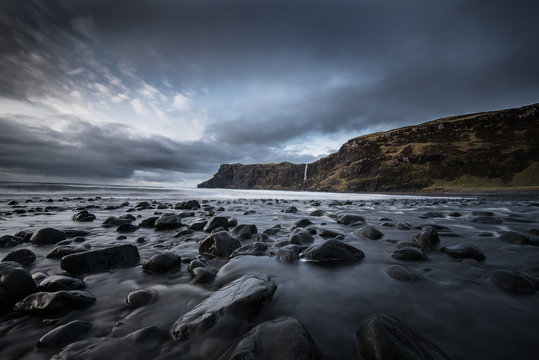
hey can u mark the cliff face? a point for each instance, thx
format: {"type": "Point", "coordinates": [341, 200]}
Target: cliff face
{"type": "Point", "coordinates": [498, 149]}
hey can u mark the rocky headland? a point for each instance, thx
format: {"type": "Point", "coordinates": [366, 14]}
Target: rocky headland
{"type": "Point", "coordinates": [497, 150]}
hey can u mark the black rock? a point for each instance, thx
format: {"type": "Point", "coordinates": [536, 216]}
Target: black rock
{"type": "Point", "coordinates": [284, 338]}
{"type": "Point", "coordinates": [350, 219]}
{"type": "Point", "coordinates": [403, 244]}
{"type": "Point", "coordinates": [464, 251]}
{"type": "Point", "coordinates": [47, 236]}
{"type": "Point", "coordinates": [432, 214]}
{"type": "Point", "coordinates": [126, 228]}
{"type": "Point", "coordinates": [198, 225]}
{"type": "Point", "coordinates": [511, 281]}
{"type": "Point", "coordinates": [24, 257]}
{"type": "Point", "coordinates": [317, 212]}
{"type": "Point", "coordinates": [303, 223]}
{"type": "Point", "coordinates": [399, 272]}
{"type": "Point", "coordinates": [167, 221]}
{"type": "Point", "coordinates": [187, 205]}
{"type": "Point", "coordinates": [142, 205]}
{"type": "Point", "coordinates": [255, 248]}
{"type": "Point", "coordinates": [10, 241]}
{"type": "Point", "coordinates": [15, 284]}
{"type": "Point", "coordinates": [203, 275]}
{"type": "Point", "coordinates": [288, 253]}
{"type": "Point", "coordinates": [381, 336]}
{"type": "Point", "coordinates": [325, 233]}
{"type": "Point", "coordinates": [300, 236]}
{"type": "Point", "coordinates": [161, 263]}
{"type": "Point", "coordinates": [232, 222]}
{"type": "Point", "coordinates": [148, 222]}
{"type": "Point", "coordinates": [216, 222]}
{"type": "Point", "coordinates": [138, 298]}
{"type": "Point", "coordinates": [244, 296]}
{"type": "Point", "coordinates": [60, 282]}
{"type": "Point", "coordinates": [291, 210]}
{"type": "Point", "coordinates": [114, 221]}
{"type": "Point", "coordinates": [55, 303]}
{"type": "Point", "coordinates": [403, 226]}
{"type": "Point", "coordinates": [25, 235]}
{"type": "Point", "coordinates": [244, 231]}
{"type": "Point", "coordinates": [369, 232]}
{"type": "Point", "coordinates": [333, 251]}
{"type": "Point", "coordinates": [427, 237]}
{"type": "Point", "coordinates": [65, 334]}
{"type": "Point", "coordinates": [220, 244]}
{"type": "Point", "coordinates": [101, 260]}
{"type": "Point", "coordinates": [409, 254]}
{"type": "Point", "coordinates": [487, 220]}
{"type": "Point", "coordinates": [514, 237]}
{"type": "Point", "coordinates": [61, 251]}
{"type": "Point", "coordinates": [84, 216]}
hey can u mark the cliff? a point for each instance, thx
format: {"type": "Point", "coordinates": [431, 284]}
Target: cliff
{"type": "Point", "coordinates": [490, 150]}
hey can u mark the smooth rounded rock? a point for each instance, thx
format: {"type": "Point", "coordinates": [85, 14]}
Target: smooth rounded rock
{"type": "Point", "coordinates": [65, 334]}
{"type": "Point", "coordinates": [84, 216]}
{"type": "Point", "coordinates": [10, 241]}
{"type": "Point", "coordinates": [369, 232]}
{"type": "Point", "coordinates": [256, 248]}
{"type": "Point", "coordinates": [350, 219]}
{"type": "Point", "coordinates": [409, 254]}
{"type": "Point", "coordinates": [59, 282]}
{"type": "Point", "coordinates": [162, 263]}
{"type": "Point", "coordinates": [333, 251]}
{"type": "Point", "coordinates": [138, 298]}
{"type": "Point", "coordinates": [244, 231]}
{"type": "Point", "coordinates": [511, 281]}
{"type": "Point", "coordinates": [47, 236]}
{"type": "Point", "coordinates": [300, 236]}
{"type": "Point", "coordinates": [167, 221]}
{"type": "Point", "coordinates": [216, 222]}
{"type": "Point", "coordinates": [399, 272]}
{"type": "Point", "coordinates": [15, 284]}
{"type": "Point", "coordinates": [220, 244]}
{"type": "Point", "coordinates": [464, 251]}
{"type": "Point", "coordinates": [25, 257]}
{"type": "Point", "coordinates": [55, 303]}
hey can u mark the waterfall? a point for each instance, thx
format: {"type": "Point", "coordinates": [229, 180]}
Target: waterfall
{"type": "Point", "coordinates": [305, 176]}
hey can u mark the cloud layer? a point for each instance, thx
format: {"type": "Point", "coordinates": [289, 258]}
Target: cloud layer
{"type": "Point", "coordinates": [109, 90]}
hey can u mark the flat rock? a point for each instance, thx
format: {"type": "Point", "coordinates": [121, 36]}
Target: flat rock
{"type": "Point", "coordinates": [162, 263]}
{"type": "Point", "coordinates": [487, 220]}
{"type": "Point", "coordinates": [101, 260]}
{"type": "Point", "coordinates": [512, 281]}
{"type": "Point", "coordinates": [138, 298]}
{"type": "Point", "coordinates": [256, 248]}
{"type": "Point", "coordinates": [464, 251]}
{"type": "Point", "coordinates": [84, 216]}
{"type": "Point", "coordinates": [284, 338]}
{"type": "Point", "coordinates": [216, 222]}
{"type": "Point", "coordinates": [399, 272]}
{"type": "Point", "coordinates": [350, 219]}
{"type": "Point", "coordinates": [333, 251]}
{"type": "Point", "coordinates": [65, 334]}
{"type": "Point", "coordinates": [15, 284]}
{"type": "Point", "coordinates": [244, 231]}
{"type": "Point", "coordinates": [59, 282]}
{"type": "Point", "coordinates": [409, 253]}
{"type": "Point", "coordinates": [61, 251]}
{"type": "Point", "coordinates": [381, 336]}
{"type": "Point", "coordinates": [243, 296]}
{"type": "Point", "coordinates": [220, 244]}
{"type": "Point", "coordinates": [25, 257]}
{"type": "Point", "coordinates": [55, 303]}
{"type": "Point", "coordinates": [369, 232]}
{"type": "Point", "coordinates": [114, 221]}
{"type": "Point", "coordinates": [167, 221]}
{"type": "Point", "coordinates": [47, 236]}
{"type": "Point", "coordinates": [300, 236]}
{"type": "Point", "coordinates": [10, 241]}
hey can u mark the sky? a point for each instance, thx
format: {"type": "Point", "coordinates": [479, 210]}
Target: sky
{"type": "Point", "coordinates": [162, 92]}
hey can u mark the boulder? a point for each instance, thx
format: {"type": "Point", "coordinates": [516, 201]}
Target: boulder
{"type": "Point", "coordinates": [167, 221]}
{"type": "Point", "coordinates": [369, 232]}
{"type": "Point", "coordinates": [114, 221]}
{"type": "Point", "coordinates": [243, 296]}
{"type": "Point", "coordinates": [427, 237]}
{"type": "Point", "coordinates": [101, 260]}
{"type": "Point", "coordinates": [138, 298]}
{"type": "Point", "coordinates": [514, 237]}
{"type": "Point", "coordinates": [256, 249]}
{"type": "Point", "coordinates": [216, 222]}
{"type": "Point", "coordinates": [148, 222]}
{"type": "Point", "coordinates": [24, 257]}
{"type": "Point", "coordinates": [403, 226]}
{"type": "Point", "coordinates": [244, 231]}
{"type": "Point", "coordinates": [325, 233]}
{"type": "Point", "coordinates": [203, 275]}
{"type": "Point", "coordinates": [10, 241]}
{"type": "Point", "coordinates": [284, 338]}
{"type": "Point", "coordinates": [220, 244]}
{"type": "Point", "coordinates": [15, 284]}
{"type": "Point", "coordinates": [84, 216]}
{"type": "Point", "coordinates": [291, 210]}
{"type": "Point", "coordinates": [47, 236]}
{"type": "Point", "coordinates": [381, 336]}
{"type": "Point", "coordinates": [301, 236]}
{"type": "Point", "coordinates": [162, 263]}
{"type": "Point", "coordinates": [317, 212]}
{"type": "Point", "coordinates": [288, 253]}
{"type": "Point", "coordinates": [61, 251]}
{"type": "Point", "coordinates": [350, 219]}
{"type": "Point", "coordinates": [65, 334]}
{"type": "Point", "coordinates": [333, 251]}
{"type": "Point", "coordinates": [59, 282]}
{"type": "Point", "coordinates": [464, 251]}
{"type": "Point", "coordinates": [303, 223]}
{"type": "Point", "coordinates": [409, 253]}
{"type": "Point", "coordinates": [512, 281]}
{"type": "Point", "coordinates": [187, 205]}
{"type": "Point", "coordinates": [126, 228]}
{"type": "Point", "coordinates": [55, 303]}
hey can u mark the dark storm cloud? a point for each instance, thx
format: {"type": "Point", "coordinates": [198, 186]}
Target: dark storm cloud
{"type": "Point", "coordinates": [345, 66]}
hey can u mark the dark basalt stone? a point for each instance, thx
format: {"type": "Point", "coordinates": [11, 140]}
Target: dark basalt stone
{"type": "Point", "coordinates": [487, 220]}
{"type": "Point", "coordinates": [10, 241]}
{"type": "Point", "coordinates": [243, 296]}
{"type": "Point", "coordinates": [303, 223]}
{"type": "Point", "coordinates": [138, 298]}
{"type": "Point", "coordinates": [101, 260]}
{"type": "Point", "coordinates": [15, 284]}
{"type": "Point", "coordinates": [511, 281]}
{"type": "Point", "coordinates": [409, 253]}
{"type": "Point", "coordinates": [203, 275]}
{"type": "Point", "coordinates": [399, 272]}
{"type": "Point", "coordinates": [65, 334]}
{"type": "Point", "coordinates": [47, 236]}
{"type": "Point", "coordinates": [60, 282]}
{"type": "Point", "coordinates": [220, 244]}
{"type": "Point", "coordinates": [162, 263]}
{"type": "Point", "coordinates": [114, 221]}
{"type": "Point", "coordinates": [326, 233]}
{"type": "Point", "coordinates": [464, 251]}
{"type": "Point", "coordinates": [216, 222]}
{"type": "Point", "coordinates": [381, 336]}
{"type": "Point", "coordinates": [350, 219]}
{"type": "Point", "coordinates": [514, 237]}
{"type": "Point", "coordinates": [288, 253]}
{"type": "Point", "coordinates": [284, 338]}
{"type": "Point", "coordinates": [427, 237]}
{"type": "Point", "coordinates": [84, 216]}
{"type": "Point", "coordinates": [55, 303]}
{"type": "Point", "coordinates": [291, 210]}
{"type": "Point", "coordinates": [167, 221]}
{"type": "Point", "coordinates": [126, 228]}
{"type": "Point", "coordinates": [256, 248]}
{"type": "Point", "coordinates": [300, 236]}
{"type": "Point", "coordinates": [244, 231]}
{"type": "Point", "coordinates": [148, 222]}
{"type": "Point", "coordinates": [24, 257]}
{"type": "Point", "coordinates": [333, 251]}
{"type": "Point", "coordinates": [61, 251]}
{"type": "Point", "coordinates": [369, 232]}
